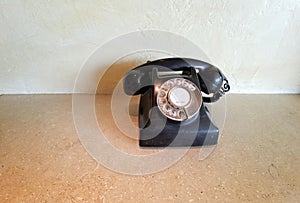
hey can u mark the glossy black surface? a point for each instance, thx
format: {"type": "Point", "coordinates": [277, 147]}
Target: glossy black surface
{"type": "Point", "coordinates": [156, 130]}
{"type": "Point", "coordinates": [160, 131]}
{"type": "Point", "coordinates": [210, 77]}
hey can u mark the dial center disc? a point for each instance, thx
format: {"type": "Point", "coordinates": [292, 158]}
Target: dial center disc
{"type": "Point", "coordinates": [179, 96]}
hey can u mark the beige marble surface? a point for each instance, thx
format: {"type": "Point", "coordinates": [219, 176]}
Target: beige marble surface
{"type": "Point", "coordinates": [256, 160]}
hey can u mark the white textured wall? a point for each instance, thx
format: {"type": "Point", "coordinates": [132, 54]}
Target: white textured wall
{"type": "Point", "coordinates": [44, 43]}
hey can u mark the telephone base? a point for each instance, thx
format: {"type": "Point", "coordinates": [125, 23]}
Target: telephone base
{"type": "Point", "coordinates": [159, 131]}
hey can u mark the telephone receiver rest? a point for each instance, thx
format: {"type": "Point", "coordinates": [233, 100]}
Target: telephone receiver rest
{"type": "Point", "coordinates": [212, 80]}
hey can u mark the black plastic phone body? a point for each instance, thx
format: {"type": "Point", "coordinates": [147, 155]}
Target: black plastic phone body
{"type": "Point", "coordinates": [156, 130]}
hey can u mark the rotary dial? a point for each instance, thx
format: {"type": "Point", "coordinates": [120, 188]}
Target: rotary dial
{"type": "Point", "coordinates": [179, 99]}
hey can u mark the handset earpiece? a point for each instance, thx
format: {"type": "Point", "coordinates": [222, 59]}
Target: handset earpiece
{"type": "Point", "coordinates": [212, 81]}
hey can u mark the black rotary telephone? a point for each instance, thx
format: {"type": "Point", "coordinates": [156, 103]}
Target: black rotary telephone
{"type": "Point", "coordinates": [172, 110]}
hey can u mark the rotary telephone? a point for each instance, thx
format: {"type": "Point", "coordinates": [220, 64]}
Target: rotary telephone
{"type": "Point", "coordinates": [172, 110]}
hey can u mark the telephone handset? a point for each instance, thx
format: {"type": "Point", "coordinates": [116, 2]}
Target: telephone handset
{"type": "Point", "coordinates": [174, 86]}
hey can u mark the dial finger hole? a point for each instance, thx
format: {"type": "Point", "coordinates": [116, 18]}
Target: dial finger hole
{"type": "Point", "coordinates": [185, 83]}
{"type": "Point", "coordinates": [166, 108]}
{"type": "Point", "coordinates": [178, 82]}
{"type": "Point", "coordinates": [162, 101]}
{"type": "Point", "coordinates": [174, 113]}
{"type": "Point", "coordinates": [164, 88]}
{"type": "Point", "coordinates": [181, 114]}
{"type": "Point", "coordinates": [192, 87]}
{"type": "Point", "coordinates": [162, 94]}
{"type": "Point", "coordinates": [170, 83]}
